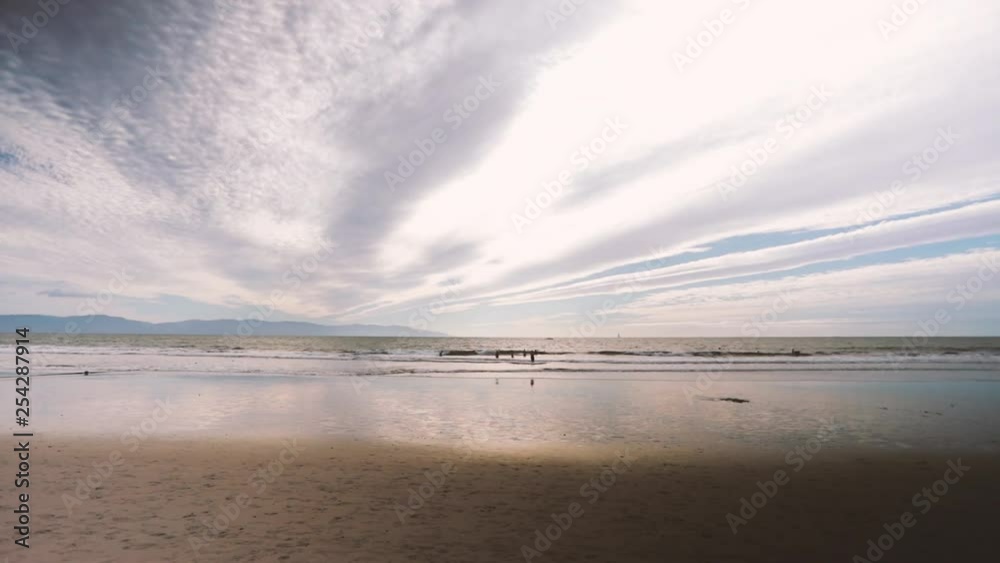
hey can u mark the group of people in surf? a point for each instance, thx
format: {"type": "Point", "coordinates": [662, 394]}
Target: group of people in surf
{"type": "Point", "coordinates": [513, 354]}
{"type": "Point", "coordinates": [524, 354]}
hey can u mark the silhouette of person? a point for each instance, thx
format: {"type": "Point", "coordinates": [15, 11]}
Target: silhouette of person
{"type": "Point", "coordinates": [532, 357]}
{"type": "Point", "coordinates": [498, 354]}
{"type": "Point", "coordinates": [532, 382]}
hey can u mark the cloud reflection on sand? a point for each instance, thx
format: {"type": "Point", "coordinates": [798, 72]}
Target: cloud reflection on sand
{"type": "Point", "coordinates": [512, 414]}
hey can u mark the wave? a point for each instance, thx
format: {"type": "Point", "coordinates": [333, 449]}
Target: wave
{"type": "Point", "coordinates": [611, 357]}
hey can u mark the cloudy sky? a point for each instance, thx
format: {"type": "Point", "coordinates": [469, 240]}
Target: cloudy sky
{"type": "Point", "coordinates": [516, 167]}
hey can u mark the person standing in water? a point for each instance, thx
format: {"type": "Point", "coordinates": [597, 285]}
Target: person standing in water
{"type": "Point", "coordinates": [532, 356]}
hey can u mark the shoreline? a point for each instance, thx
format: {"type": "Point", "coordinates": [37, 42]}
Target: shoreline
{"type": "Point", "coordinates": [320, 499]}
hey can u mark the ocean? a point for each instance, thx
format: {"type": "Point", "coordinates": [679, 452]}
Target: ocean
{"type": "Point", "coordinates": [613, 358]}
{"type": "Point", "coordinates": [724, 393]}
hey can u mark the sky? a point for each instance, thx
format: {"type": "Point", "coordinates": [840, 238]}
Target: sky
{"type": "Point", "coordinates": [506, 168]}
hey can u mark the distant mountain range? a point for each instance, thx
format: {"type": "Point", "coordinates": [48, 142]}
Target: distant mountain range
{"type": "Point", "coordinates": [101, 324]}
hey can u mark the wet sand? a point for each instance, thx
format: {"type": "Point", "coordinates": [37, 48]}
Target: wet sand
{"type": "Point", "coordinates": [342, 500]}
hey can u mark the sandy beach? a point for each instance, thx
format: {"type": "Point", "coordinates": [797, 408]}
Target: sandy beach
{"type": "Point", "coordinates": [431, 461]}
{"type": "Point", "coordinates": [338, 500]}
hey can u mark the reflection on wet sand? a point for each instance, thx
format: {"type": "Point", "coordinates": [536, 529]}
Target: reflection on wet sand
{"type": "Point", "coordinates": [433, 410]}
